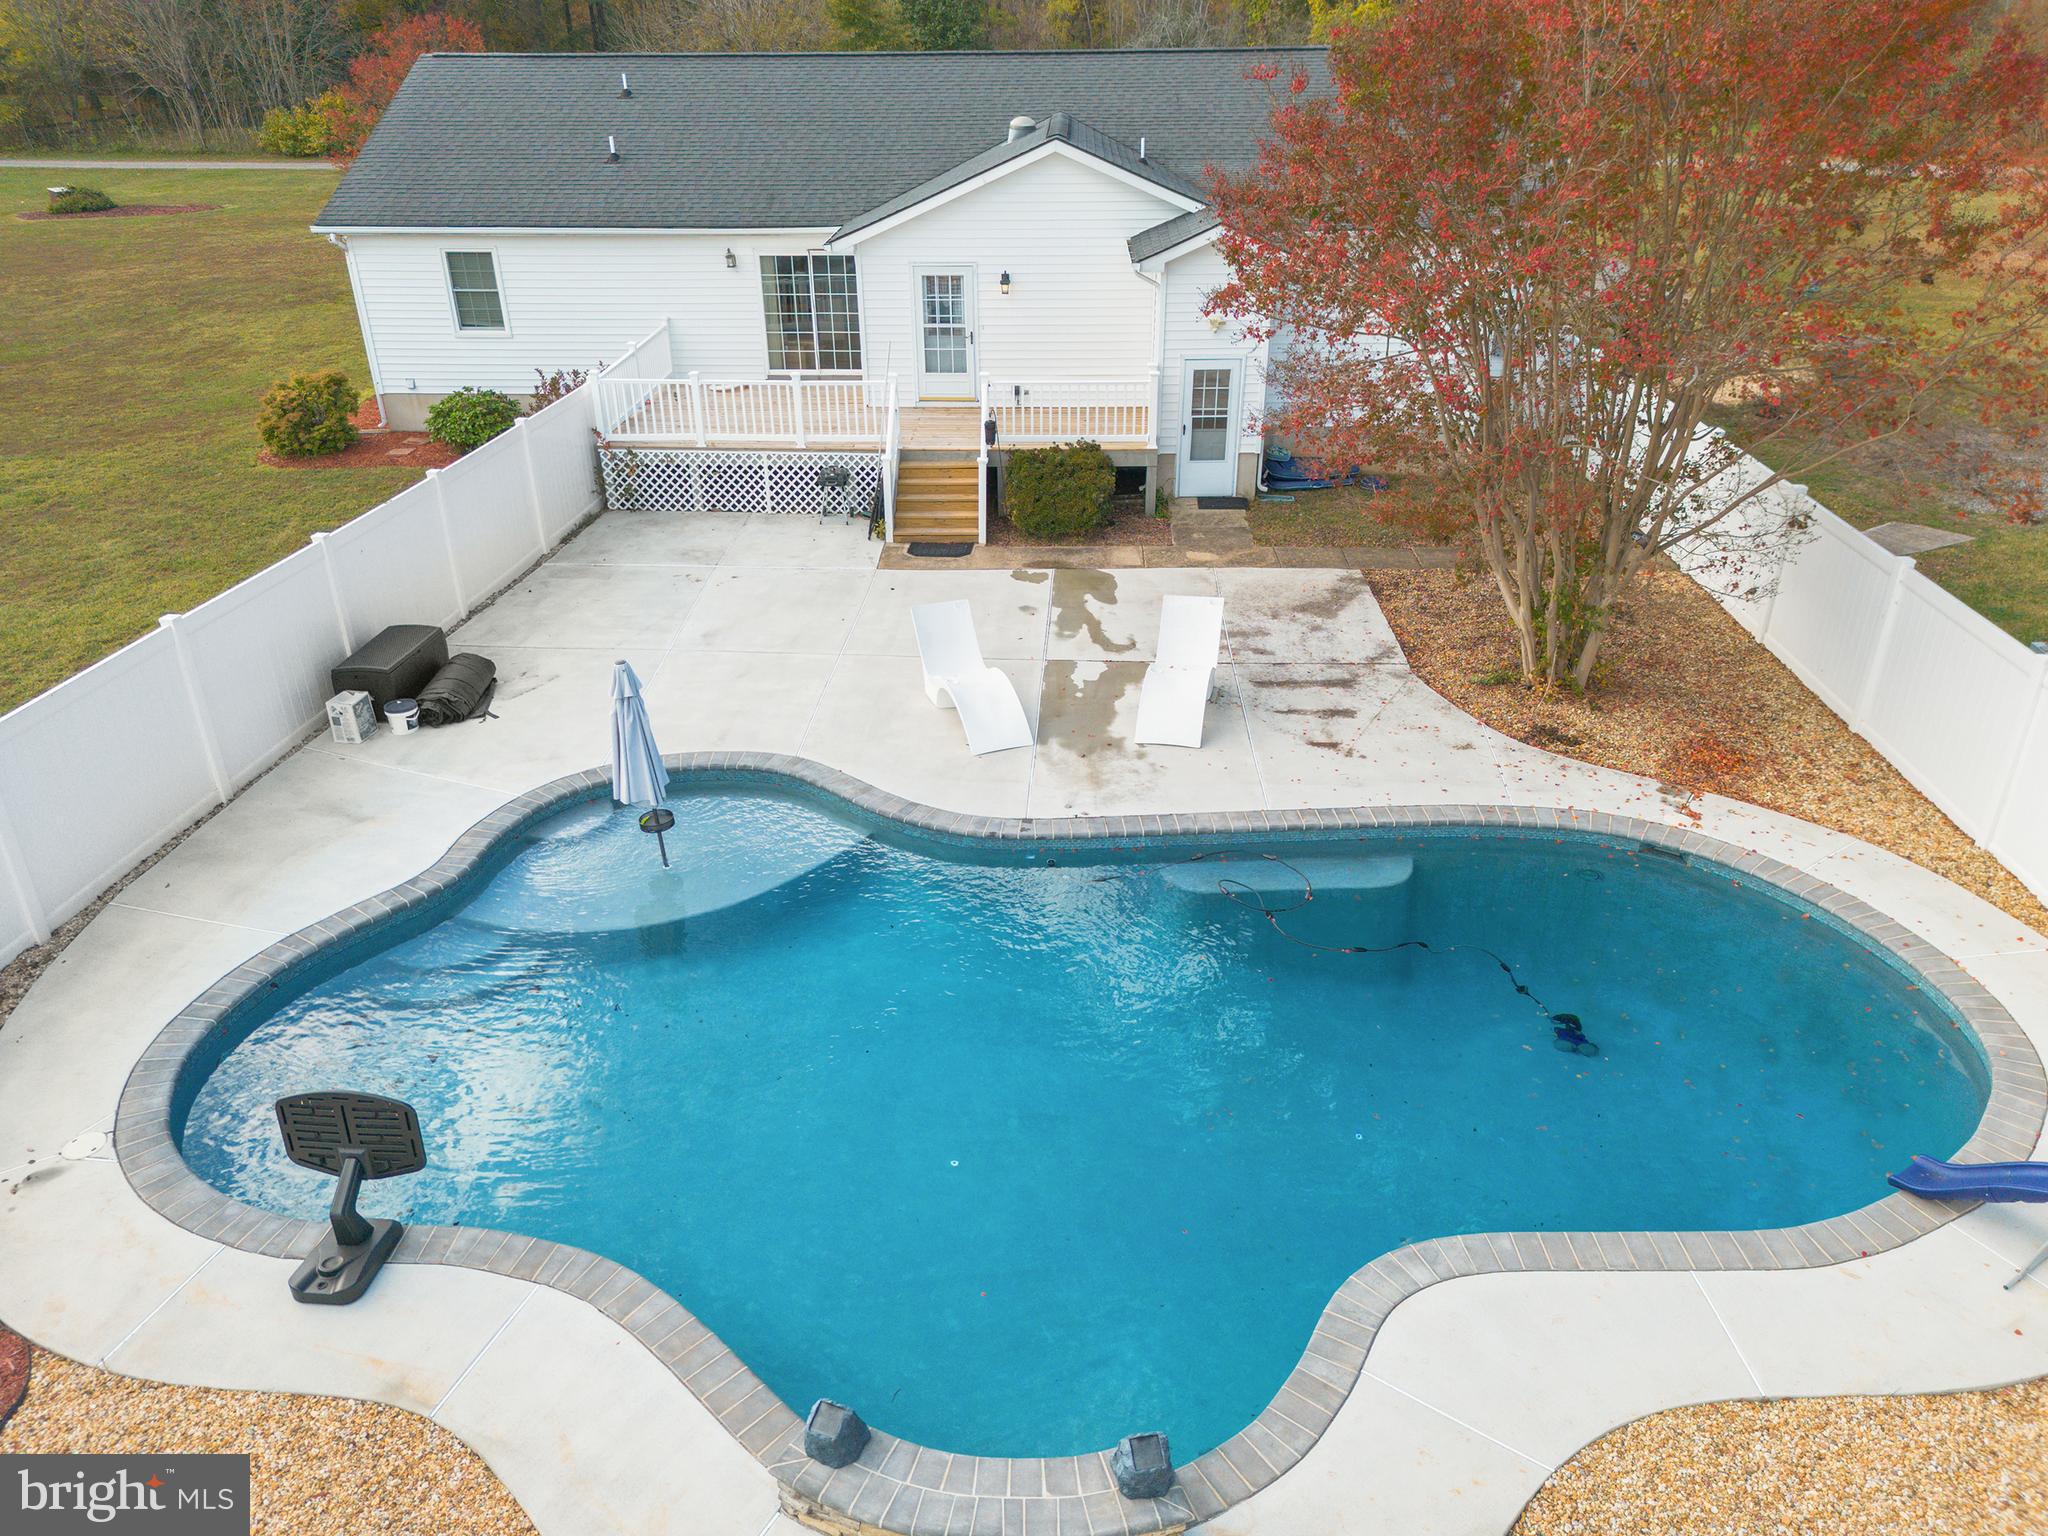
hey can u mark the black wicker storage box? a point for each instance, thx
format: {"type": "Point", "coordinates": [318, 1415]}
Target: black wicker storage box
{"type": "Point", "coordinates": [395, 665]}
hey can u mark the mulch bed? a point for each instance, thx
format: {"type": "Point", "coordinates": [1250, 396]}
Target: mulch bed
{"type": "Point", "coordinates": [14, 1355]}
{"type": "Point", "coordinates": [1684, 695]}
{"type": "Point", "coordinates": [375, 450]}
{"type": "Point", "coordinates": [126, 211]}
{"type": "Point", "coordinates": [1126, 524]}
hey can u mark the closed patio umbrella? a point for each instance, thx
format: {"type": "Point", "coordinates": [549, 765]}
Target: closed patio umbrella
{"type": "Point", "coordinates": [638, 777]}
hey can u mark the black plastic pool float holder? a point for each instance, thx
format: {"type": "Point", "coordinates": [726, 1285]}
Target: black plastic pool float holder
{"type": "Point", "coordinates": [354, 1136]}
{"type": "Point", "coordinates": [659, 822]}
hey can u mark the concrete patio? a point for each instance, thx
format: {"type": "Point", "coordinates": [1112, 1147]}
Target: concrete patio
{"type": "Point", "coordinates": [783, 635]}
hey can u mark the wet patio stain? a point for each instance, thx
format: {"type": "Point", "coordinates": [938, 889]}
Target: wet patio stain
{"type": "Point", "coordinates": [1035, 578]}
{"type": "Point", "coordinates": [1327, 712]}
{"type": "Point", "coordinates": [1077, 712]}
{"type": "Point", "coordinates": [1072, 591]}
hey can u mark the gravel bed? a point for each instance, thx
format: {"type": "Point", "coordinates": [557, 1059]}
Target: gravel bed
{"type": "Point", "coordinates": [1963, 1464]}
{"type": "Point", "coordinates": [325, 1464]}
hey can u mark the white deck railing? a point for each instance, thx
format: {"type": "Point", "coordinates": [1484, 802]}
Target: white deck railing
{"type": "Point", "coordinates": [1063, 410]}
{"type": "Point", "coordinates": [722, 412]}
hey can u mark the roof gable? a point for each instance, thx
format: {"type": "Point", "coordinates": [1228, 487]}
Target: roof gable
{"type": "Point", "coordinates": [1060, 133]}
{"type": "Point", "coordinates": [775, 141]}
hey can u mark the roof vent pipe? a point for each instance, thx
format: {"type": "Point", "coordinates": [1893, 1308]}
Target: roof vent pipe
{"type": "Point", "coordinates": [1141, 146]}
{"type": "Point", "coordinates": [611, 146]}
{"type": "Point", "coordinates": [624, 88]}
{"type": "Point", "coordinates": [1019, 126]}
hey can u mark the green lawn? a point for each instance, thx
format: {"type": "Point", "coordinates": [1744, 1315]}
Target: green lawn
{"type": "Point", "coordinates": [135, 351]}
{"type": "Point", "coordinates": [1343, 516]}
{"type": "Point", "coordinates": [2002, 573]}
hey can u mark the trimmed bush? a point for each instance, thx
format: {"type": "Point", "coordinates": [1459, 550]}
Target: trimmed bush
{"type": "Point", "coordinates": [80, 200]}
{"type": "Point", "coordinates": [469, 418]}
{"type": "Point", "coordinates": [308, 414]}
{"type": "Point", "coordinates": [304, 132]}
{"type": "Point", "coordinates": [1055, 493]}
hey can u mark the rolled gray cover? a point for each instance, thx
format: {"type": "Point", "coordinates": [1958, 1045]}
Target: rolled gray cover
{"type": "Point", "coordinates": [459, 690]}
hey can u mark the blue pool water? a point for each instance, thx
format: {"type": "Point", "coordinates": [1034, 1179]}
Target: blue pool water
{"type": "Point", "coordinates": [1018, 1159]}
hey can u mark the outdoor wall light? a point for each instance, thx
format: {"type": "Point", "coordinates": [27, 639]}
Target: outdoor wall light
{"type": "Point", "coordinates": [731, 261]}
{"type": "Point", "coordinates": [1004, 284]}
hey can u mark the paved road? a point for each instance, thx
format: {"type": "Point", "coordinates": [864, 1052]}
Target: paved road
{"type": "Point", "coordinates": [167, 165]}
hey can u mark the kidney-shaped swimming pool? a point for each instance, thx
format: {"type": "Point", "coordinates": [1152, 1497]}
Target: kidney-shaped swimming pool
{"type": "Point", "coordinates": [1019, 1150]}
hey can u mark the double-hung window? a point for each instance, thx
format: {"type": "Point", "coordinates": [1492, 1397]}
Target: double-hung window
{"type": "Point", "coordinates": [812, 304]}
{"type": "Point", "coordinates": [473, 283]}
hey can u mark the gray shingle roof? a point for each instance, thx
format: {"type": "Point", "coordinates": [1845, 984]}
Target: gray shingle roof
{"type": "Point", "coordinates": [1164, 237]}
{"type": "Point", "coordinates": [1061, 127]}
{"type": "Point", "coordinates": [804, 140]}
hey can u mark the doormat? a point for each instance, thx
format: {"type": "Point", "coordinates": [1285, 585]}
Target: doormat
{"type": "Point", "coordinates": [930, 551]}
{"type": "Point", "coordinates": [1222, 503]}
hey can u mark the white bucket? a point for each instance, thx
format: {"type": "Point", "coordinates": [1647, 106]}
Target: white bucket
{"type": "Point", "coordinates": [402, 715]}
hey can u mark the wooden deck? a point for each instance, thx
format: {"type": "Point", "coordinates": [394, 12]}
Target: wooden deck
{"type": "Point", "coordinates": [951, 429]}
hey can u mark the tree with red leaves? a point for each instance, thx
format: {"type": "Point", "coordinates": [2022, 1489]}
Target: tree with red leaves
{"type": "Point", "coordinates": [1523, 246]}
{"type": "Point", "coordinates": [375, 74]}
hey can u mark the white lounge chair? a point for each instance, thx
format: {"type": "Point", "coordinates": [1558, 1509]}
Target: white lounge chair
{"type": "Point", "coordinates": [955, 674]}
{"type": "Point", "coordinates": [1178, 686]}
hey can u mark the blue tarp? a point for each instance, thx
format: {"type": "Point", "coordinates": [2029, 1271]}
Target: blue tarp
{"type": "Point", "coordinates": [1284, 473]}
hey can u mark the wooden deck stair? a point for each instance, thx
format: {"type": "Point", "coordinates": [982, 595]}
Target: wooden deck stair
{"type": "Point", "coordinates": [935, 499]}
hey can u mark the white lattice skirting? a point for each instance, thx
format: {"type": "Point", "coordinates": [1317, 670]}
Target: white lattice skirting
{"type": "Point", "coordinates": [725, 480]}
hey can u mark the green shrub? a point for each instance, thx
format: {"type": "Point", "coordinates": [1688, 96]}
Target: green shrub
{"type": "Point", "coordinates": [1055, 493]}
{"type": "Point", "coordinates": [80, 200]}
{"type": "Point", "coordinates": [308, 414]}
{"type": "Point", "coordinates": [304, 132]}
{"type": "Point", "coordinates": [469, 418]}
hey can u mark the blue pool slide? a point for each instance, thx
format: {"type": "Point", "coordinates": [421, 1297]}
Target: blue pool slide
{"type": "Point", "coordinates": [1996, 1182]}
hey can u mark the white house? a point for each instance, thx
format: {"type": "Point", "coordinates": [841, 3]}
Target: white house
{"type": "Point", "coordinates": [898, 266]}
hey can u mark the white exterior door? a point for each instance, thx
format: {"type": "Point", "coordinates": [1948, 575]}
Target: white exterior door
{"type": "Point", "coordinates": [945, 333]}
{"type": "Point", "coordinates": [1211, 392]}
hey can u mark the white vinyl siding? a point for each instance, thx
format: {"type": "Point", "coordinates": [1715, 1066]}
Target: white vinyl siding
{"type": "Point", "coordinates": [1189, 282]}
{"type": "Point", "coordinates": [573, 300]}
{"type": "Point", "coordinates": [1075, 309]}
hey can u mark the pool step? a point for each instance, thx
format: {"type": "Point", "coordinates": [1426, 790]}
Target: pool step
{"type": "Point", "coordinates": [1325, 874]}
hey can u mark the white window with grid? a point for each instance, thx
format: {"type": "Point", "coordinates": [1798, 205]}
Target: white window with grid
{"type": "Point", "coordinates": [473, 284]}
{"type": "Point", "coordinates": [812, 307]}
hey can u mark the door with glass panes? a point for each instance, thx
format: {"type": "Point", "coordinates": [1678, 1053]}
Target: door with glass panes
{"type": "Point", "coordinates": [945, 333]}
{"type": "Point", "coordinates": [1210, 393]}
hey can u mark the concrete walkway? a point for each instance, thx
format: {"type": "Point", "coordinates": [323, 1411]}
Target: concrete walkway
{"type": "Point", "coordinates": [781, 634]}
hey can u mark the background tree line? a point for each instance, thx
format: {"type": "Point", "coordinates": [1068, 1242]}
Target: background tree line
{"type": "Point", "coordinates": [207, 71]}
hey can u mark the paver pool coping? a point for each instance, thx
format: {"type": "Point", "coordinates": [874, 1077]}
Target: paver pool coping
{"type": "Point", "coordinates": [923, 1492]}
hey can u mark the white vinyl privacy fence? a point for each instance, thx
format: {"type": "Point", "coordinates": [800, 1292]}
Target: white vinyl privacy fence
{"type": "Point", "coordinates": [110, 764]}
{"type": "Point", "coordinates": [1955, 703]}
